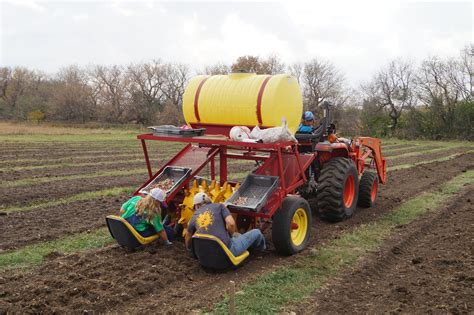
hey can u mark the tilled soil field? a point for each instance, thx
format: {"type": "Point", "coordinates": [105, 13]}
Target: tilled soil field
{"type": "Point", "coordinates": [30, 194]}
{"type": "Point", "coordinates": [159, 277]}
{"type": "Point", "coordinates": [20, 163]}
{"type": "Point", "coordinates": [73, 170]}
{"type": "Point", "coordinates": [55, 153]}
{"type": "Point", "coordinates": [427, 268]}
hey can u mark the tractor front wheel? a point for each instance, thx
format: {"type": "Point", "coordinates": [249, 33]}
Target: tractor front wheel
{"type": "Point", "coordinates": [291, 227]}
{"type": "Point", "coordinates": [368, 189]}
{"type": "Point", "coordinates": [338, 189]}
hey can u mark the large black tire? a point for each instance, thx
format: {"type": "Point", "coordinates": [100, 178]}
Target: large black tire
{"type": "Point", "coordinates": [335, 200]}
{"type": "Point", "coordinates": [368, 189]}
{"type": "Point", "coordinates": [288, 237]}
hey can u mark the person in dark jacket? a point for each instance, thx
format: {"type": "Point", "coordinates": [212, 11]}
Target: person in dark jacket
{"type": "Point", "coordinates": [215, 219]}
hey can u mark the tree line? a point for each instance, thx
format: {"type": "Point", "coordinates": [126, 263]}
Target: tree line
{"type": "Point", "coordinates": [431, 99]}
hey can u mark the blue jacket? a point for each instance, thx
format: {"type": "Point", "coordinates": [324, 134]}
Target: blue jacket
{"type": "Point", "coordinates": [304, 129]}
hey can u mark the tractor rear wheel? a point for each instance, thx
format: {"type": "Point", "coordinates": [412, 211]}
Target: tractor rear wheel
{"type": "Point", "coordinates": [338, 189]}
{"type": "Point", "coordinates": [291, 226]}
{"type": "Point", "coordinates": [368, 189]}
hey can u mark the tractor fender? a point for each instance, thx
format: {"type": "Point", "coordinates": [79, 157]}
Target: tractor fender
{"type": "Point", "coordinates": [327, 150]}
{"type": "Point", "coordinates": [329, 147]}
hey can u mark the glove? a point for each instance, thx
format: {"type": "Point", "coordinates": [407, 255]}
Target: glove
{"type": "Point", "coordinates": [167, 242]}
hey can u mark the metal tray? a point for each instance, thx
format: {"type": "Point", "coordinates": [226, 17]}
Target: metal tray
{"type": "Point", "coordinates": [257, 189]}
{"type": "Point", "coordinates": [175, 173]}
{"type": "Point", "coordinates": [176, 131]}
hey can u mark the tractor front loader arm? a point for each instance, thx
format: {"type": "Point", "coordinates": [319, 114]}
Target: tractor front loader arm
{"type": "Point", "coordinates": [375, 146]}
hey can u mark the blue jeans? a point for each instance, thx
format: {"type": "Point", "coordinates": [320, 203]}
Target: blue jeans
{"type": "Point", "coordinates": [253, 240]}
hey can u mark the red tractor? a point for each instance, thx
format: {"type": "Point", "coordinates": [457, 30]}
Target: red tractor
{"type": "Point", "coordinates": [345, 173]}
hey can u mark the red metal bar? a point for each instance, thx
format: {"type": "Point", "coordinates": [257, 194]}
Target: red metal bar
{"type": "Point", "coordinates": [375, 145]}
{"type": "Point", "coordinates": [295, 185]}
{"type": "Point", "coordinates": [147, 160]}
{"type": "Point", "coordinates": [213, 141]}
{"type": "Point", "coordinates": [282, 173]}
{"type": "Point", "coordinates": [300, 166]}
{"type": "Point", "coordinates": [213, 169]}
{"type": "Point", "coordinates": [222, 164]}
{"type": "Point", "coordinates": [246, 157]}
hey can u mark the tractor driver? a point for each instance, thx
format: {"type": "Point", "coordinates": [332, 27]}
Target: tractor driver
{"type": "Point", "coordinates": [215, 219]}
{"type": "Point", "coordinates": [306, 127]}
{"type": "Point", "coordinates": [307, 123]}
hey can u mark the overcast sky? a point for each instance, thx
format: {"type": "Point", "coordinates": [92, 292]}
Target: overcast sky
{"type": "Point", "coordinates": [357, 36]}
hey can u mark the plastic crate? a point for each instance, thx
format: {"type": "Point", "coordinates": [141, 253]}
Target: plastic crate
{"type": "Point", "coordinates": [175, 173]}
{"type": "Point", "coordinates": [176, 131]}
{"type": "Point", "coordinates": [257, 189]}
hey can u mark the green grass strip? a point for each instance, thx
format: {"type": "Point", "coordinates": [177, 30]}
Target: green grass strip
{"type": "Point", "coordinates": [430, 151]}
{"type": "Point", "coordinates": [34, 254]}
{"type": "Point", "coordinates": [385, 151]}
{"type": "Point", "coordinates": [441, 159]}
{"type": "Point", "coordinates": [78, 197]}
{"type": "Point", "coordinates": [389, 144]}
{"type": "Point", "coordinates": [288, 285]}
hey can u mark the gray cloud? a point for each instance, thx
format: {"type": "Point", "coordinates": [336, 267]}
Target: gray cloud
{"type": "Point", "coordinates": [357, 36]}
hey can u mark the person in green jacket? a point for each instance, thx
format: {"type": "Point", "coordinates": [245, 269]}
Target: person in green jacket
{"type": "Point", "coordinates": [144, 214]}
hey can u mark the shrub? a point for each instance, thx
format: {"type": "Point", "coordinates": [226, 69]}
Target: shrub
{"type": "Point", "coordinates": [36, 116]}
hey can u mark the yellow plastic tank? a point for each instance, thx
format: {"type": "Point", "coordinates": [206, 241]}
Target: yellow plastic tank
{"type": "Point", "coordinates": [243, 99]}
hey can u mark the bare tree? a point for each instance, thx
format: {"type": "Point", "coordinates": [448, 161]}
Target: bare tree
{"type": "Point", "coordinates": [113, 98]}
{"type": "Point", "coordinates": [70, 97]}
{"type": "Point", "coordinates": [146, 83]}
{"type": "Point", "coordinates": [297, 70]}
{"type": "Point", "coordinates": [272, 65]}
{"type": "Point", "coordinates": [467, 72]}
{"type": "Point", "coordinates": [322, 81]}
{"type": "Point", "coordinates": [14, 83]}
{"type": "Point", "coordinates": [176, 79]}
{"type": "Point", "coordinates": [392, 89]}
{"type": "Point", "coordinates": [217, 68]}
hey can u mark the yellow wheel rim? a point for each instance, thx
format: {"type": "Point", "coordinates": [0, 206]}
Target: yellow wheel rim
{"type": "Point", "coordinates": [299, 227]}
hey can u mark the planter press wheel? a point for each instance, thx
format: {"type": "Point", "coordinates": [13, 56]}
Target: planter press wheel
{"type": "Point", "coordinates": [291, 227]}
{"type": "Point", "coordinates": [299, 227]}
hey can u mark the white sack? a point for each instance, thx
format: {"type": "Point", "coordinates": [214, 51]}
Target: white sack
{"type": "Point", "coordinates": [272, 135]}
{"type": "Point", "coordinates": [239, 133]}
